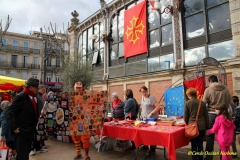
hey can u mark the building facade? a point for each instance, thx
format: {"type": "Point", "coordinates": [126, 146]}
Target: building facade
{"type": "Point", "coordinates": [177, 42]}
{"type": "Point", "coordinates": [21, 56]}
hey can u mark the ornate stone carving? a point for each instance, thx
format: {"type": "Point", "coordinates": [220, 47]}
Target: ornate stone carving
{"type": "Point", "coordinates": [103, 9]}
{"type": "Point", "coordinates": [209, 61]}
{"type": "Point", "coordinates": [74, 20]}
{"type": "Point", "coordinates": [177, 32]}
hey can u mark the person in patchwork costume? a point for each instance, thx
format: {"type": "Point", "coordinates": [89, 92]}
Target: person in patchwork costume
{"type": "Point", "coordinates": [78, 139]}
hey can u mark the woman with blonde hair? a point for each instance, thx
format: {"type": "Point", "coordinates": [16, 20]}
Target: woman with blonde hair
{"type": "Point", "coordinates": [190, 113]}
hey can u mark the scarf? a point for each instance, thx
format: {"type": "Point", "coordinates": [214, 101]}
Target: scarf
{"type": "Point", "coordinates": [30, 93]}
{"type": "Point", "coordinates": [115, 103]}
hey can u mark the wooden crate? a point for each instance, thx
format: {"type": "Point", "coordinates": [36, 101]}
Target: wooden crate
{"type": "Point", "coordinates": [165, 123]}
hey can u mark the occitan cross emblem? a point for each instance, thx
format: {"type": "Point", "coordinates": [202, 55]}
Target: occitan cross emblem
{"type": "Point", "coordinates": [134, 30]}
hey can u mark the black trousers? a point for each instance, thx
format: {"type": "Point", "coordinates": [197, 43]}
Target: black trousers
{"type": "Point", "coordinates": [23, 147]}
{"type": "Point", "coordinates": [35, 143]}
{"type": "Point", "coordinates": [210, 138]}
{"type": "Point", "coordinates": [197, 145]}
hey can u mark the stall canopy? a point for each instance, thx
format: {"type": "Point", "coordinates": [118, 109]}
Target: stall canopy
{"type": "Point", "coordinates": [9, 83]}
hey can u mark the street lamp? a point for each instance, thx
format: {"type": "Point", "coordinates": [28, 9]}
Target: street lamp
{"type": "Point", "coordinates": [104, 37]}
{"type": "Point", "coordinates": [45, 59]}
{"type": "Point", "coordinates": [168, 8]}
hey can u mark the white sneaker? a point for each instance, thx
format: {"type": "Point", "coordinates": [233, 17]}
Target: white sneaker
{"type": "Point", "coordinates": [14, 157]}
{"type": "Point", "coordinates": [42, 151]}
{"type": "Point", "coordinates": [32, 153]}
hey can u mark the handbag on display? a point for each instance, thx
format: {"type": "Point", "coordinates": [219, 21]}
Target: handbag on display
{"type": "Point", "coordinates": [5, 152]}
{"type": "Point", "coordinates": [191, 130]}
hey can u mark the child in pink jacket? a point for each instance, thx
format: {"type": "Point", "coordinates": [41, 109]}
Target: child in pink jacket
{"type": "Point", "coordinates": [224, 128]}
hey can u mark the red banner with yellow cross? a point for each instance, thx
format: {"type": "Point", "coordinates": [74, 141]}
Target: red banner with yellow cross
{"type": "Point", "coordinates": [198, 84]}
{"type": "Point", "coordinates": [135, 30]}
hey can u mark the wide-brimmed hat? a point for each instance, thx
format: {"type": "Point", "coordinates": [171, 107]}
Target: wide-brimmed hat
{"type": "Point", "coordinates": [32, 82]}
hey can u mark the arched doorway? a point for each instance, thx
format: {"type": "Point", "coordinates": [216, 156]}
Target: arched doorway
{"type": "Point", "coordinates": [209, 61]}
{"type": "Point", "coordinates": [199, 72]}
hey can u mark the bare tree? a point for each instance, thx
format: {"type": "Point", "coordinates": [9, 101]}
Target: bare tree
{"type": "Point", "coordinates": [55, 40]}
{"type": "Point", "coordinates": [71, 70]}
{"type": "Point", "coordinates": [3, 31]}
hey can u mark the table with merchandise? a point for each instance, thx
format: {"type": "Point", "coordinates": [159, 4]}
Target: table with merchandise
{"type": "Point", "coordinates": [168, 136]}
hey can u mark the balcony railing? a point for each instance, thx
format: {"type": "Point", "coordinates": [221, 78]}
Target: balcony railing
{"type": "Point", "coordinates": [20, 49]}
{"type": "Point", "coordinates": [56, 51]}
{"type": "Point", "coordinates": [52, 67]}
{"type": "Point", "coordinates": [19, 65]}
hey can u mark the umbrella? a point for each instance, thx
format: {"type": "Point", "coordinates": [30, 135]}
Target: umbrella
{"type": "Point", "coordinates": [9, 83]}
{"type": "Point", "coordinates": [14, 81]}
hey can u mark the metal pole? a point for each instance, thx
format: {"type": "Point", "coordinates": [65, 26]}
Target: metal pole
{"type": "Point", "coordinates": [44, 58]}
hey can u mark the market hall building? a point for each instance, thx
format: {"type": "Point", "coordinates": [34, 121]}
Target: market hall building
{"type": "Point", "coordinates": [176, 43]}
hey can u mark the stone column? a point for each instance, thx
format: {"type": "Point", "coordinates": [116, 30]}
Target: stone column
{"type": "Point", "coordinates": [179, 71]}
{"type": "Point", "coordinates": [235, 22]}
{"type": "Point", "coordinates": [177, 36]}
{"type": "Point", "coordinates": [106, 22]}
{"type": "Point", "coordinates": [73, 36]}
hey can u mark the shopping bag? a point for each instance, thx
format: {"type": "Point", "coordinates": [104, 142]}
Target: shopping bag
{"type": "Point", "coordinates": [3, 154]}
{"type": "Point", "coordinates": [3, 151]}
{"type": "Point", "coordinates": [191, 130]}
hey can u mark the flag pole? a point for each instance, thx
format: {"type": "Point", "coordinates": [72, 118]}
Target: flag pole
{"type": "Point", "coordinates": [100, 139]}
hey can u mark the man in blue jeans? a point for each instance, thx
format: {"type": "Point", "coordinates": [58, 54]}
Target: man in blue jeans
{"type": "Point", "coordinates": [216, 93]}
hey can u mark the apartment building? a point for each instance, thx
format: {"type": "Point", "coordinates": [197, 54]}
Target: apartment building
{"type": "Point", "coordinates": [22, 57]}
{"type": "Point", "coordinates": [54, 52]}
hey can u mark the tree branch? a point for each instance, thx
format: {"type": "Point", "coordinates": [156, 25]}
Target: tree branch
{"type": "Point", "coordinates": [3, 32]}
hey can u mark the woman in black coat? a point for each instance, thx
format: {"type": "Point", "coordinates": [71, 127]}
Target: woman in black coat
{"type": "Point", "coordinates": [130, 109]}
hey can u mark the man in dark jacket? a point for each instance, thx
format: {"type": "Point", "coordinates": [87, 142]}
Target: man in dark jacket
{"type": "Point", "coordinates": [237, 124]}
{"type": "Point", "coordinates": [21, 118]}
{"type": "Point", "coordinates": [39, 145]}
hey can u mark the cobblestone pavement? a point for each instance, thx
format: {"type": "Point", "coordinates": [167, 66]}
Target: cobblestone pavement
{"type": "Point", "coordinates": [65, 151]}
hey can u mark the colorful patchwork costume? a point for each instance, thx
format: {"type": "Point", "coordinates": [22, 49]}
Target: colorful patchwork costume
{"type": "Point", "coordinates": [86, 116]}
{"type": "Point", "coordinates": [78, 139]}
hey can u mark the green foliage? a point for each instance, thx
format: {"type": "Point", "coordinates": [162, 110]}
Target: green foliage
{"type": "Point", "coordinates": [76, 71]}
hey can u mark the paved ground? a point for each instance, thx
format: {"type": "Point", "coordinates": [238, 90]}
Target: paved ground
{"type": "Point", "coordinates": [65, 151]}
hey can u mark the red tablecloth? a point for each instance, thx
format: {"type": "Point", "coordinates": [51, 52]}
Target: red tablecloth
{"type": "Point", "coordinates": [170, 137]}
